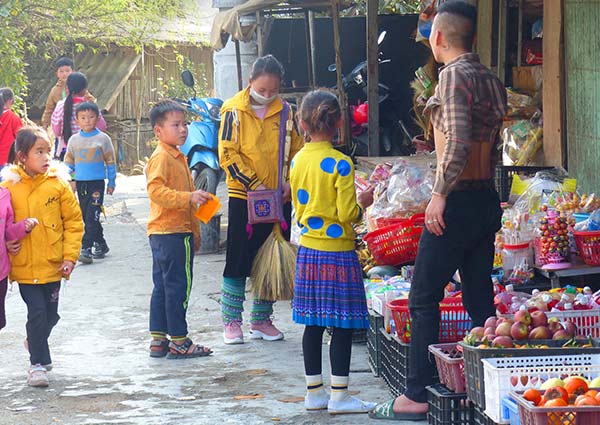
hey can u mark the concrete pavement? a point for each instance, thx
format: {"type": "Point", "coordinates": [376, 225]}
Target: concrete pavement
{"type": "Point", "coordinates": [103, 374]}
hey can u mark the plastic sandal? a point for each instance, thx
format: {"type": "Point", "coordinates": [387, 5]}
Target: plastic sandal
{"type": "Point", "coordinates": [187, 350]}
{"type": "Point", "coordinates": [159, 347]}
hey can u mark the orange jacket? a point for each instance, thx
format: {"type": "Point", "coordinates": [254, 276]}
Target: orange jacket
{"type": "Point", "coordinates": [170, 185]}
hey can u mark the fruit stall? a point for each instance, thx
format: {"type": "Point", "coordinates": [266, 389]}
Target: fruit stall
{"type": "Point", "coordinates": [542, 349]}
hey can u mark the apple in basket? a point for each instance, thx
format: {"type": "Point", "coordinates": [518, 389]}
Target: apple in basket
{"type": "Point", "coordinates": [554, 324]}
{"type": "Point", "coordinates": [491, 322]}
{"type": "Point", "coordinates": [502, 342]}
{"type": "Point", "coordinates": [503, 329]}
{"type": "Point", "coordinates": [523, 316]}
{"type": "Point", "coordinates": [570, 328]}
{"type": "Point", "coordinates": [541, 332]}
{"type": "Point", "coordinates": [539, 318]}
{"type": "Point", "coordinates": [478, 332]}
{"type": "Point", "coordinates": [519, 331]}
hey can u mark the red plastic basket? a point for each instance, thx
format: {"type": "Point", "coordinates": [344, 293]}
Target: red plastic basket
{"type": "Point", "coordinates": [588, 245]}
{"type": "Point", "coordinates": [455, 323]}
{"type": "Point", "coordinates": [396, 244]}
{"type": "Point", "coordinates": [450, 366]}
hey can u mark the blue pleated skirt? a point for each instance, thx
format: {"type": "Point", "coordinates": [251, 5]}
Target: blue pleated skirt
{"type": "Point", "coordinates": [329, 290]}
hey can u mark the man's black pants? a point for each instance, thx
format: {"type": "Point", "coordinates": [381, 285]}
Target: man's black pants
{"type": "Point", "coordinates": [472, 219]}
{"type": "Point", "coordinates": [42, 316]}
{"type": "Point", "coordinates": [91, 198]}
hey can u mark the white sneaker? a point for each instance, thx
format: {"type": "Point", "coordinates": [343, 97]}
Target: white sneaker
{"type": "Point", "coordinates": [36, 377]}
{"type": "Point", "coordinates": [349, 405]}
{"type": "Point", "coordinates": [316, 400]}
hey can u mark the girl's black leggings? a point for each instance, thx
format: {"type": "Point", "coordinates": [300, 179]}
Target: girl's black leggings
{"type": "Point", "coordinates": [340, 350]}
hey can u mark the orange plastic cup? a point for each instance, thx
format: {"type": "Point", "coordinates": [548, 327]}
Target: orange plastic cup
{"type": "Point", "coordinates": [207, 211]}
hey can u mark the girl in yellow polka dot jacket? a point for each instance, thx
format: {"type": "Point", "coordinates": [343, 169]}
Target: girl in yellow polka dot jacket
{"type": "Point", "coordinates": [329, 288]}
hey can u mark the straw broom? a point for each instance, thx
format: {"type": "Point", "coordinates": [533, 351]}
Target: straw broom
{"type": "Point", "coordinates": [274, 268]}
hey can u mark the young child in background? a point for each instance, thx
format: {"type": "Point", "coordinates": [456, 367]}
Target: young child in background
{"type": "Point", "coordinates": [50, 251]}
{"type": "Point", "coordinates": [64, 124]}
{"type": "Point", "coordinates": [174, 234]}
{"type": "Point", "coordinates": [63, 67]}
{"type": "Point", "coordinates": [329, 289]}
{"type": "Point", "coordinates": [10, 123]}
{"type": "Point", "coordinates": [91, 158]}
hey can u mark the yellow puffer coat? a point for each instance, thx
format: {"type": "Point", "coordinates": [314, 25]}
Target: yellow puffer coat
{"type": "Point", "coordinates": [48, 198]}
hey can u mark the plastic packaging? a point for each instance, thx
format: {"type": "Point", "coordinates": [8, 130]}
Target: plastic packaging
{"type": "Point", "coordinates": [521, 142]}
{"type": "Point", "coordinates": [594, 221]}
{"type": "Point", "coordinates": [519, 259]}
{"type": "Point", "coordinates": [207, 211]}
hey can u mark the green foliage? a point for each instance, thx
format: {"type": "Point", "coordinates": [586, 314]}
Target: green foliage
{"type": "Point", "coordinates": [388, 7]}
{"type": "Point", "coordinates": [48, 29]}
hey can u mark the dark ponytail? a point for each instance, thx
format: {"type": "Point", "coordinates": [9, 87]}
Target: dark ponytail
{"type": "Point", "coordinates": [76, 83]}
{"type": "Point", "coordinates": [320, 110]}
{"type": "Point", "coordinates": [2, 101]}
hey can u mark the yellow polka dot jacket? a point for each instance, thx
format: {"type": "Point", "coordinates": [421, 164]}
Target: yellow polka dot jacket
{"type": "Point", "coordinates": [249, 146]}
{"type": "Point", "coordinates": [324, 197]}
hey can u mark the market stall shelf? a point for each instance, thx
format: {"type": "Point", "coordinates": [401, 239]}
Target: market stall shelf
{"type": "Point", "coordinates": [576, 269]}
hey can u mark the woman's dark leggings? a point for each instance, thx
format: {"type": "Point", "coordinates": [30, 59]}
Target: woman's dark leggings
{"type": "Point", "coordinates": [340, 350]}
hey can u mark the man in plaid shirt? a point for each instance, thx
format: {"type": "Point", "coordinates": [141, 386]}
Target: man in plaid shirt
{"type": "Point", "coordinates": [464, 212]}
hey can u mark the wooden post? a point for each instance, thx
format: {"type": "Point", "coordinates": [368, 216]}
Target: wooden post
{"type": "Point", "coordinates": [259, 33]}
{"type": "Point", "coordinates": [554, 84]}
{"type": "Point", "coordinates": [502, 18]}
{"type": "Point", "coordinates": [313, 48]}
{"type": "Point", "coordinates": [485, 17]}
{"type": "Point", "coordinates": [373, 76]}
{"type": "Point", "coordinates": [309, 42]}
{"type": "Point", "coordinates": [238, 62]}
{"type": "Point", "coordinates": [335, 16]}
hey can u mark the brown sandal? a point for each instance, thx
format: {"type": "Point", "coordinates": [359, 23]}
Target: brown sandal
{"type": "Point", "coordinates": [159, 347]}
{"type": "Point", "coordinates": [187, 350]}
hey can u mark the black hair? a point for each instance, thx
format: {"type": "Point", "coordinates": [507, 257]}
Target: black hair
{"type": "Point", "coordinates": [267, 65]}
{"type": "Point", "coordinates": [87, 106]}
{"type": "Point", "coordinates": [321, 111]}
{"type": "Point", "coordinates": [76, 83]}
{"type": "Point", "coordinates": [64, 61]}
{"type": "Point", "coordinates": [466, 11]}
{"type": "Point", "coordinates": [159, 111]}
{"type": "Point", "coordinates": [12, 155]}
{"type": "Point", "coordinates": [6, 94]}
{"type": "Point", "coordinates": [26, 138]}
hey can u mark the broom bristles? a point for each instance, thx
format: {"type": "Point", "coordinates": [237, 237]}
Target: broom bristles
{"type": "Point", "coordinates": [274, 268]}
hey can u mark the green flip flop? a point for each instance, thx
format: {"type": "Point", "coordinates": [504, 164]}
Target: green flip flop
{"type": "Point", "coordinates": [384, 411]}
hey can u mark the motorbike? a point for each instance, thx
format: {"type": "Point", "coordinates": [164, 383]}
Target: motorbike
{"type": "Point", "coordinates": [394, 137]}
{"type": "Point", "coordinates": [202, 143]}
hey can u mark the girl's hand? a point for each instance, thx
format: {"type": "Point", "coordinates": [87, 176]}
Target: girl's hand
{"type": "Point", "coordinates": [67, 268]}
{"type": "Point", "coordinates": [30, 223]}
{"type": "Point", "coordinates": [13, 247]}
{"type": "Point", "coordinates": [110, 190]}
{"type": "Point", "coordinates": [73, 185]}
{"type": "Point", "coordinates": [365, 198]}
{"type": "Point", "coordinates": [261, 187]}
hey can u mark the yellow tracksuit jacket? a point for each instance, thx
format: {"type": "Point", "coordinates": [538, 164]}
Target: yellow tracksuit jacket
{"type": "Point", "coordinates": [249, 146]}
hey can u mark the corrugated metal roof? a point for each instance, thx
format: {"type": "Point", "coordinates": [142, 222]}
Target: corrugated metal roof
{"type": "Point", "coordinates": [107, 72]}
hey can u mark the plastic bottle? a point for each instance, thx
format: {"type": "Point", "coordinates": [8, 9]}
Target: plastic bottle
{"type": "Point", "coordinates": [568, 306]}
{"type": "Point", "coordinates": [549, 301]}
{"type": "Point", "coordinates": [560, 306]}
{"type": "Point", "coordinates": [581, 302]}
{"type": "Point", "coordinates": [594, 221]}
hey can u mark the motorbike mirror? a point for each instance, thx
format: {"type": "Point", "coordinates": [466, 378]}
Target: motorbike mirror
{"type": "Point", "coordinates": [332, 68]}
{"type": "Point", "coordinates": [187, 78]}
{"type": "Point", "coordinates": [381, 37]}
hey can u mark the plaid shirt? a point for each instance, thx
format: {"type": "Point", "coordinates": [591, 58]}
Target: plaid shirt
{"type": "Point", "coordinates": [468, 106]}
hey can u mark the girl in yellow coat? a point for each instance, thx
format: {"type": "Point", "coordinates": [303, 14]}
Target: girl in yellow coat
{"type": "Point", "coordinates": [50, 251]}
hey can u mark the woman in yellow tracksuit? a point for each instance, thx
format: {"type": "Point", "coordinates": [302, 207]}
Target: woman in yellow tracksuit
{"type": "Point", "coordinates": [249, 154]}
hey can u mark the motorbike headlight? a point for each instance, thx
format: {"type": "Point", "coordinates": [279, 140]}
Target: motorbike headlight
{"type": "Point", "coordinates": [215, 112]}
{"type": "Point", "coordinates": [358, 79]}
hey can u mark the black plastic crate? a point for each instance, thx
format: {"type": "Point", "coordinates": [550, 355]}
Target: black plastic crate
{"type": "Point", "coordinates": [394, 363]}
{"type": "Point", "coordinates": [474, 374]}
{"type": "Point", "coordinates": [504, 177]}
{"type": "Point", "coordinates": [480, 418]}
{"type": "Point", "coordinates": [374, 342]}
{"type": "Point", "coordinates": [447, 407]}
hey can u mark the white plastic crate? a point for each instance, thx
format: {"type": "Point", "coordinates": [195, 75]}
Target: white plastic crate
{"type": "Point", "coordinates": [505, 374]}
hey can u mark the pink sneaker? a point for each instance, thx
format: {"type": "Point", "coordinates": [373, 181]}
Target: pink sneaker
{"type": "Point", "coordinates": [265, 330]}
{"type": "Point", "coordinates": [233, 333]}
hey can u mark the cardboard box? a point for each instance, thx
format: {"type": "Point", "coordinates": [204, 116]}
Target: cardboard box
{"type": "Point", "coordinates": [527, 79]}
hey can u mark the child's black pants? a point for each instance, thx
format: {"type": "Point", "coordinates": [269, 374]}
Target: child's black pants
{"type": "Point", "coordinates": [91, 198]}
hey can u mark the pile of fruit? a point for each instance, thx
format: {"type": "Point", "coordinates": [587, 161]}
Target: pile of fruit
{"type": "Point", "coordinates": [554, 233]}
{"type": "Point", "coordinates": [573, 203]}
{"type": "Point", "coordinates": [504, 332]}
{"type": "Point", "coordinates": [572, 391]}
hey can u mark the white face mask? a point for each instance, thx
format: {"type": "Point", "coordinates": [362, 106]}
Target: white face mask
{"type": "Point", "coordinates": [261, 100]}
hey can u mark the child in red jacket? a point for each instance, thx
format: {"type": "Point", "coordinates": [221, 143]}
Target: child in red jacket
{"type": "Point", "coordinates": [10, 123]}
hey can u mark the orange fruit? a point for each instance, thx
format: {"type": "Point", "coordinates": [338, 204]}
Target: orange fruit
{"type": "Point", "coordinates": [556, 392]}
{"type": "Point", "coordinates": [575, 385]}
{"type": "Point", "coordinates": [533, 395]}
{"type": "Point", "coordinates": [592, 393]}
{"type": "Point", "coordinates": [584, 400]}
{"type": "Point", "coordinates": [555, 402]}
